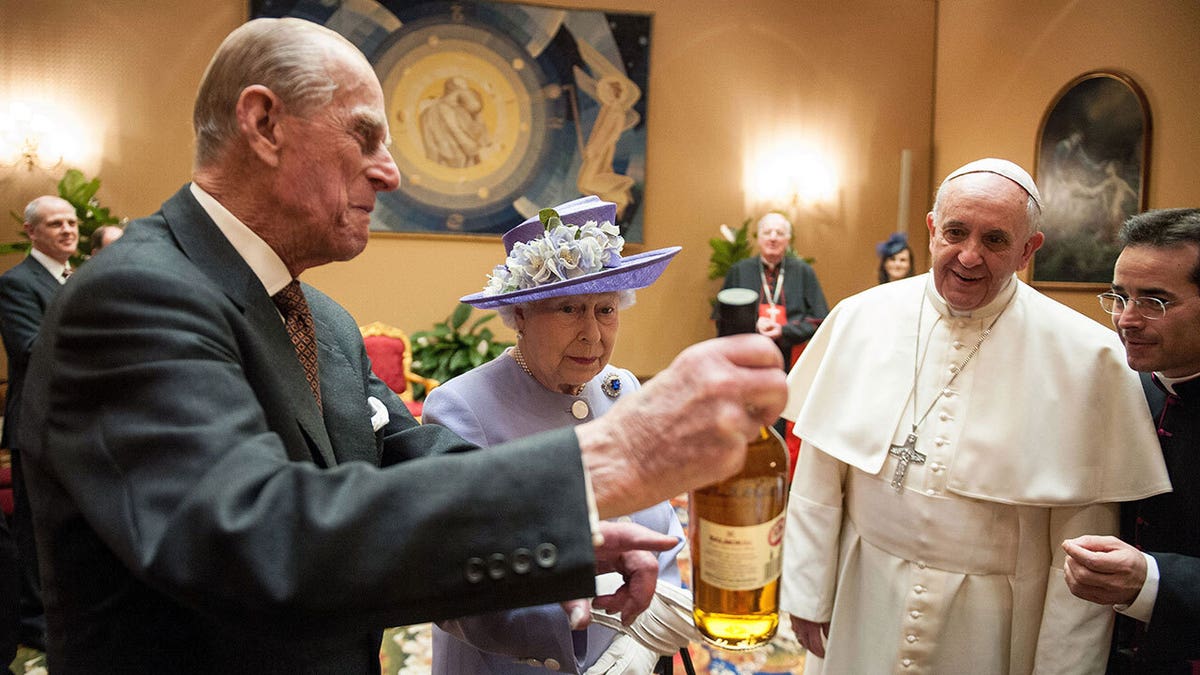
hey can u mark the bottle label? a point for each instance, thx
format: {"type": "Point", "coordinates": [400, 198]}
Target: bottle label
{"type": "Point", "coordinates": [740, 558]}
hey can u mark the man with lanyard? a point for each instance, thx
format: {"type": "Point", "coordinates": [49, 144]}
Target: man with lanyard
{"type": "Point", "coordinates": [791, 303]}
{"type": "Point", "coordinates": [1152, 574]}
{"type": "Point", "coordinates": [957, 426]}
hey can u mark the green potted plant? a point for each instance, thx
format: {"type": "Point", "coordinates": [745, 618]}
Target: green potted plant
{"type": "Point", "coordinates": [449, 349]}
{"type": "Point", "coordinates": [727, 249]}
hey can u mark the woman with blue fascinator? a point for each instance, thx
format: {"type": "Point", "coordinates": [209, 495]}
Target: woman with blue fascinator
{"type": "Point", "coordinates": [562, 287]}
{"type": "Point", "coordinates": [895, 258]}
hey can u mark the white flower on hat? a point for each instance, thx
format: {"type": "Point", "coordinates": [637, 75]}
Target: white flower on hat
{"type": "Point", "coordinates": [562, 252]}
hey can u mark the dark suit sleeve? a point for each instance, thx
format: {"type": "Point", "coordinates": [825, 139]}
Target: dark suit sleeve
{"type": "Point", "coordinates": [20, 318]}
{"type": "Point", "coordinates": [805, 300]}
{"type": "Point", "coordinates": [158, 448]}
{"type": "Point", "coordinates": [1174, 628]}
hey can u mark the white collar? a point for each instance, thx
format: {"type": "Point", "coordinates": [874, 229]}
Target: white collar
{"type": "Point", "coordinates": [1170, 382]}
{"type": "Point", "coordinates": [262, 259]}
{"type": "Point", "coordinates": [991, 309]}
{"type": "Point", "coordinates": [52, 266]}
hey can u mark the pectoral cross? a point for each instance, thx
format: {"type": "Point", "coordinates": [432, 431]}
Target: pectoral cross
{"type": "Point", "coordinates": [906, 453]}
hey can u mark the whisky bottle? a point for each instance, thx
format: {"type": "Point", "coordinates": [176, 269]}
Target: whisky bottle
{"type": "Point", "coordinates": [736, 526]}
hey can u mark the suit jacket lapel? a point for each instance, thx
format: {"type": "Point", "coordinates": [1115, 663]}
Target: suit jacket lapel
{"type": "Point", "coordinates": [44, 282]}
{"type": "Point", "coordinates": [263, 315]}
{"type": "Point", "coordinates": [343, 393]}
{"type": "Point", "coordinates": [202, 241]}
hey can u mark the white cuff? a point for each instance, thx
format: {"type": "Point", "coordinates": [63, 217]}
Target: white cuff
{"type": "Point", "coordinates": [1142, 607]}
{"type": "Point", "coordinates": [593, 512]}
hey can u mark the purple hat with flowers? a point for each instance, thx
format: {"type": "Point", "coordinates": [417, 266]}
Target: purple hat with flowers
{"type": "Point", "coordinates": [571, 249]}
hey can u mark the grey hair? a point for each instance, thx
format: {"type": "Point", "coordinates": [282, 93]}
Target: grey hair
{"type": "Point", "coordinates": [626, 298]}
{"type": "Point", "coordinates": [33, 215]}
{"type": "Point", "coordinates": [1033, 210]}
{"type": "Point", "coordinates": [773, 216]}
{"type": "Point", "coordinates": [288, 56]}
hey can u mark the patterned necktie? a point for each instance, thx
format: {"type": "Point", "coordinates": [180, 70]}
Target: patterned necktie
{"type": "Point", "coordinates": [66, 272]}
{"type": "Point", "coordinates": [298, 320]}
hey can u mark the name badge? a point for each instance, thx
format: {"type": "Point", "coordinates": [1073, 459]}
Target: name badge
{"type": "Point", "coordinates": [775, 313]}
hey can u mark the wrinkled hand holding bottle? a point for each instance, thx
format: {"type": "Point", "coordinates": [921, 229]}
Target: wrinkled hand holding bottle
{"type": "Point", "coordinates": [686, 428]}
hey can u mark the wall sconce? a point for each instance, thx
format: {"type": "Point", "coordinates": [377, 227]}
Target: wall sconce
{"type": "Point", "coordinates": [33, 135]}
{"type": "Point", "coordinates": [795, 180]}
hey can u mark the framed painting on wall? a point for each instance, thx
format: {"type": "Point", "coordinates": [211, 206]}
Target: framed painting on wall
{"type": "Point", "coordinates": [1092, 161]}
{"type": "Point", "coordinates": [499, 109]}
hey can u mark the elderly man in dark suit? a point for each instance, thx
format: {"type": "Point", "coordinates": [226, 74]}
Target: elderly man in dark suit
{"type": "Point", "coordinates": [25, 292]}
{"type": "Point", "coordinates": [220, 484]}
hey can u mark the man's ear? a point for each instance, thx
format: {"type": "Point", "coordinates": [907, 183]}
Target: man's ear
{"type": "Point", "coordinates": [259, 115]}
{"type": "Point", "coordinates": [1031, 246]}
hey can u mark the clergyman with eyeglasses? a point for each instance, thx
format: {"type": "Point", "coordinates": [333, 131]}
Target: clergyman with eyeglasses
{"type": "Point", "coordinates": [1151, 576]}
{"type": "Point", "coordinates": [958, 426]}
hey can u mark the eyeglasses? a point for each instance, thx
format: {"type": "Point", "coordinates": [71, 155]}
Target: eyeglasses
{"type": "Point", "coordinates": [1150, 308]}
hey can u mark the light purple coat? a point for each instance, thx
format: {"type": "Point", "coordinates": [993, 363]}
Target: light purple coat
{"type": "Point", "coordinates": [491, 404]}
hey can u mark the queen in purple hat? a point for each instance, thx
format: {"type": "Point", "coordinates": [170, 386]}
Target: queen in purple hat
{"type": "Point", "coordinates": [562, 286]}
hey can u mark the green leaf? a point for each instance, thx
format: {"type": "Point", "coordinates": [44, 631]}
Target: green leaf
{"type": "Point", "coordinates": [459, 317]}
{"type": "Point", "coordinates": [449, 350]}
{"type": "Point", "coordinates": [482, 320]}
{"type": "Point", "coordinates": [546, 214]}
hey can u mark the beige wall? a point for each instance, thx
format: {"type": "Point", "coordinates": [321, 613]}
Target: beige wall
{"type": "Point", "coordinates": [1000, 64]}
{"type": "Point", "coordinates": [721, 74]}
{"type": "Point", "coordinates": [857, 77]}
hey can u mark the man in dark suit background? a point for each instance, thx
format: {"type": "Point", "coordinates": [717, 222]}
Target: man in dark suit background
{"type": "Point", "coordinates": [791, 302]}
{"type": "Point", "coordinates": [1152, 574]}
{"type": "Point", "coordinates": [25, 292]}
{"type": "Point", "coordinates": [207, 503]}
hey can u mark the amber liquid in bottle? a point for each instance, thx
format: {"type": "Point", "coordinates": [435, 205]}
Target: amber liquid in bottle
{"type": "Point", "coordinates": [736, 531]}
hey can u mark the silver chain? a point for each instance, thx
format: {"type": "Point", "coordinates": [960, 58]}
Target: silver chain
{"type": "Point", "coordinates": [918, 362]}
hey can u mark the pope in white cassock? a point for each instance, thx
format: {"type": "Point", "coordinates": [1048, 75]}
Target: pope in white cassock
{"type": "Point", "coordinates": [957, 427]}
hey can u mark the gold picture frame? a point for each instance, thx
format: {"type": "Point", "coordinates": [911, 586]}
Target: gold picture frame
{"type": "Point", "coordinates": [1092, 169]}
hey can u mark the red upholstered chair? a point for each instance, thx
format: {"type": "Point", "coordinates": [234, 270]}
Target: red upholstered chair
{"type": "Point", "coordinates": [390, 352]}
{"type": "Point", "coordinates": [792, 440]}
{"type": "Point", "coordinates": [6, 489]}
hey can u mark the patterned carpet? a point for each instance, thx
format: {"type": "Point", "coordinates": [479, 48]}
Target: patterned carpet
{"type": "Point", "coordinates": [407, 650]}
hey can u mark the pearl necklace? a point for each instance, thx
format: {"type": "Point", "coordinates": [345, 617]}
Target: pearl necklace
{"type": "Point", "coordinates": [520, 359]}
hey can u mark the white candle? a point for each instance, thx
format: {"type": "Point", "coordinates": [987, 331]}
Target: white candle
{"type": "Point", "coordinates": [905, 189]}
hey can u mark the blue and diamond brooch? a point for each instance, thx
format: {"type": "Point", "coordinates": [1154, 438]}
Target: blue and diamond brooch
{"type": "Point", "coordinates": [612, 386]}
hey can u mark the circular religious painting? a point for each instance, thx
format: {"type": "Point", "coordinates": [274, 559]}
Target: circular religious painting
{"type": "Point", "coordinates": [469, 124]}
{"type": "Point", "coordinates": [497, 110]}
